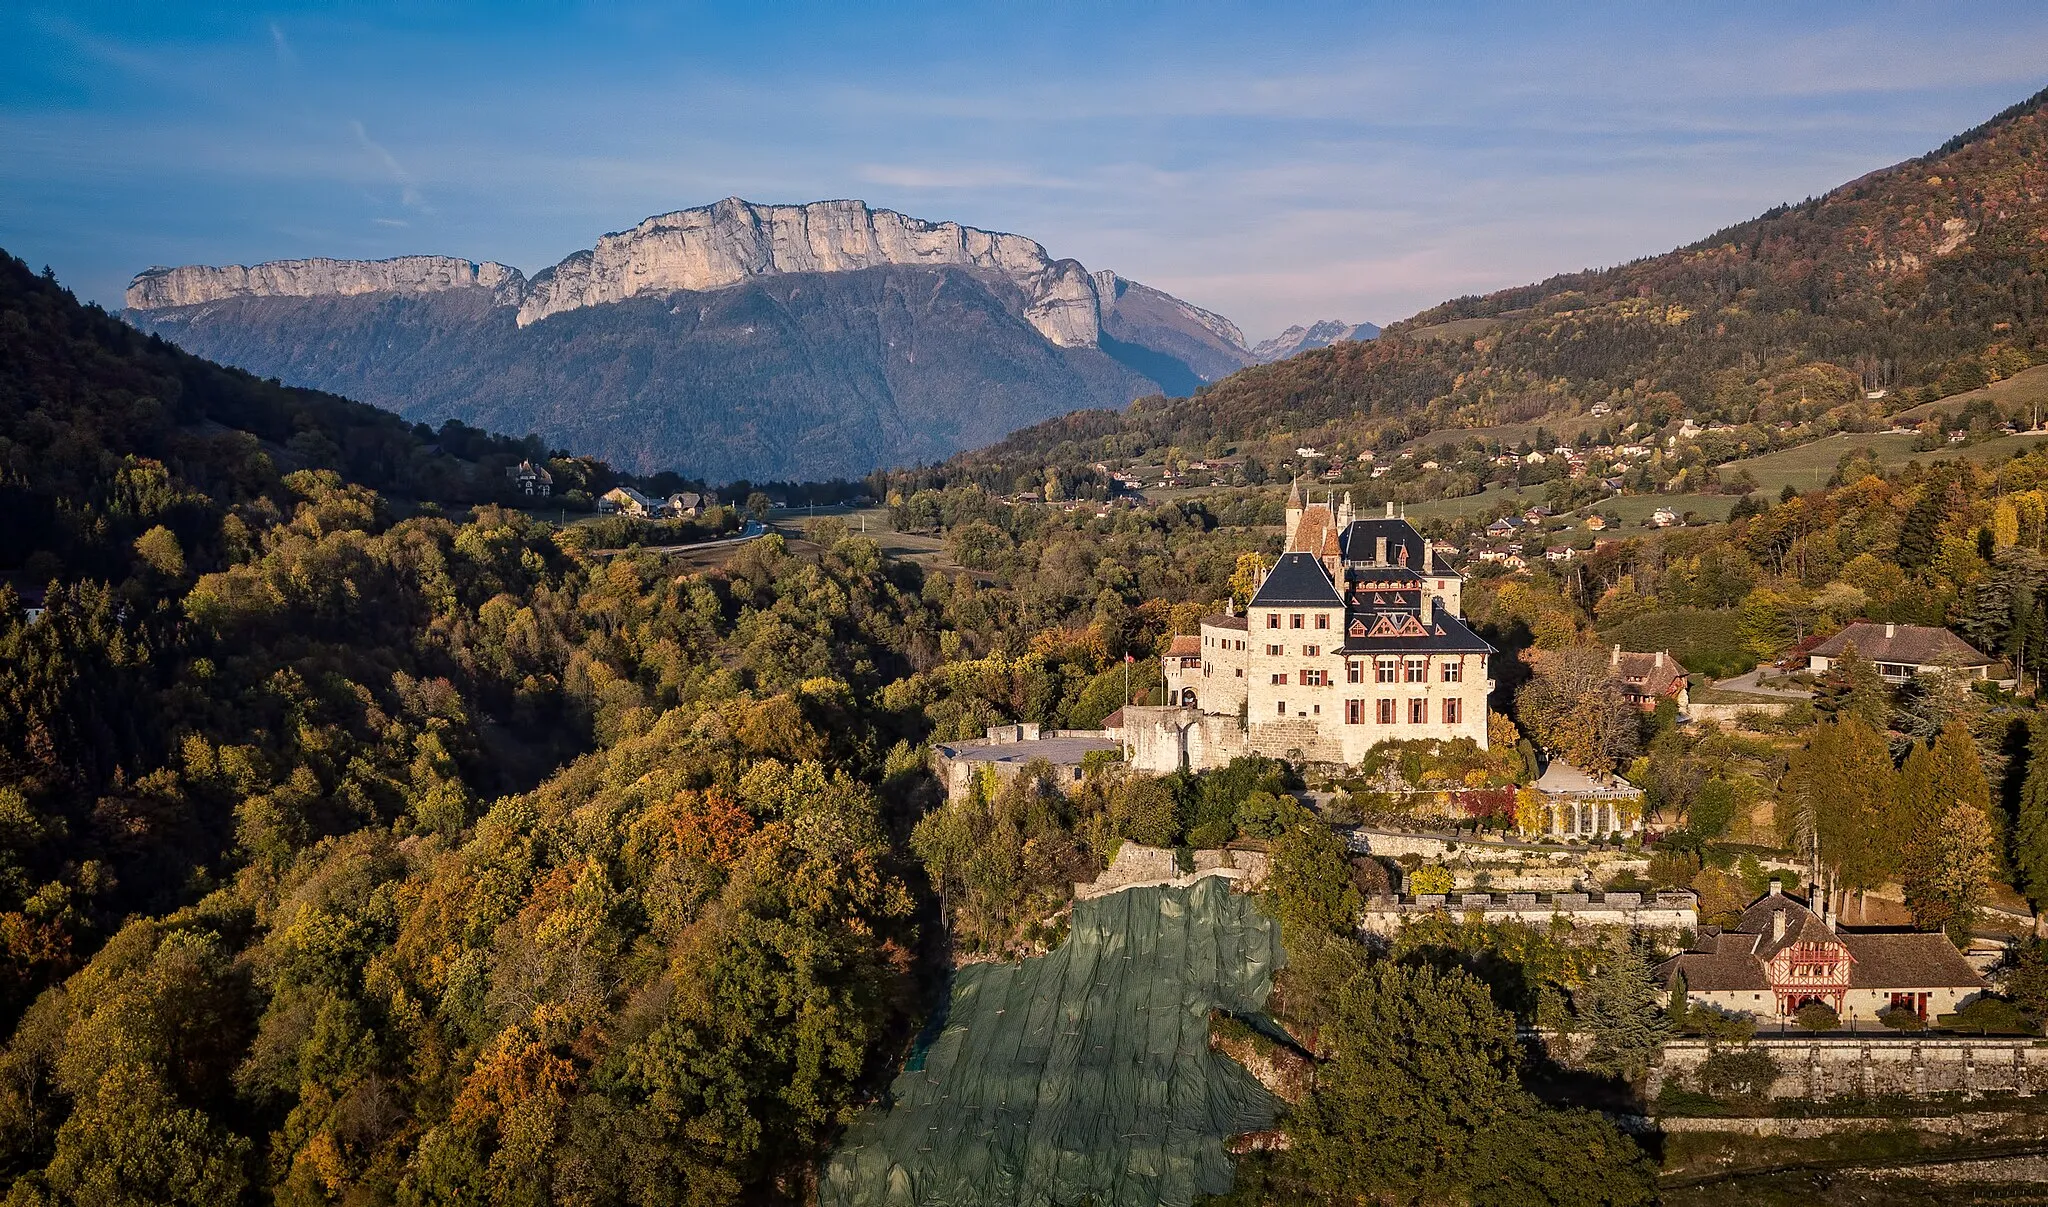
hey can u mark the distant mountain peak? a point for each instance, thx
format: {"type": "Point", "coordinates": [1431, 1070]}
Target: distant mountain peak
{"type": "Point", "coordinates": [1321, 334]}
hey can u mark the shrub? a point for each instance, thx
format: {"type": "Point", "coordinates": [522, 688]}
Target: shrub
{"type": "Point", "coordinates": [1818, 1016]}
{"type": "Point", "coordinates": [1737, 1073]}
{"type": "Point", "coordinates": [1988, 1016]}
{"type": "Point", "coordinates": [1900, 1018]}
{"type": "Point", "coordinates": [1431, 878]}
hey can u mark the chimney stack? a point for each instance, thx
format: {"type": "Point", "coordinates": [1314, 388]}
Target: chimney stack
{"type": "Point", "coordinates": [1379, 551]}
{"type": "Point", "coordinates": [1614, 658]}
{"type": "Point", "coordinates": [1777, 886]}
{"type": "Point", "coordinates": [1778, 926]}
{"type": "Point", "coordinates": [1428, 609]}
{"type": "Point", "coordinates": [1890, 631]}
{"type": "Point", "coordinates": [1429, 555]}
{"type": "Point", "coordinates": [1660, 660]}
{"type": "Point", "coordinates": [1390, 509]}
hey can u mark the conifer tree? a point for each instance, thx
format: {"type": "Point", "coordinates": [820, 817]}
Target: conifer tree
{"type": "Point", "coordinates": [1852, 687]}
{"type": "Point", "coordinates": [1944, 808]}
{"type": "Point", "coordinates": [1624, 1011]}
{"type": "Point", "coordinates": [2030, 826]}
{"type": "Point", "coordinates": [1839, 786]}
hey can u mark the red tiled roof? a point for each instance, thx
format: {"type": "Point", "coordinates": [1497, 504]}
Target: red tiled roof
{"type": "Point", "coordinates": [1184, 644]}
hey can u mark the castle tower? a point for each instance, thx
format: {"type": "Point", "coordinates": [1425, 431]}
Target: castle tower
{"type": "Point", "coordinates": [1294, 508]}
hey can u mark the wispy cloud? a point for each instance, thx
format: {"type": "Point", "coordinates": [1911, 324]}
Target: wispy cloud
{"type": "Point", "coordinates": [282, 46]}
{"type": "Point", "coordinates": [408, 192]}
{"type": "Point", "coordinates": [390, 222]}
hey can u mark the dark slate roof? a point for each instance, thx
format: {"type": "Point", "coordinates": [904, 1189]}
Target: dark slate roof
{"type": "Point", "coordinates": [1447, 635]}
{"type": "Point", "coordinates": [1381, 576]}
{"type": "Point", "coordinates": [1360, 541]}
{"type": "Point", "coordinates": [1914, 644]}
{"type": "Point", "coordinates": [1297, 579]}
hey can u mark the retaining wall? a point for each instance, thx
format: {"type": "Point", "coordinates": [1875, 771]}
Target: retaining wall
{"type": "Point", "coordinates": [1870, 1065]}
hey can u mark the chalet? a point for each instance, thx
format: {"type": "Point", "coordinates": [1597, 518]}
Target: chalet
{"type": "Point", "coordinates": [1505, 526]}
{"type": "Point", "coordinates": [1649, 678]}
{"type": "Point", "coordinates": [1663, 517]}
{"type": "Point", "coordinates": [688, 504]}
{"type": "Point", "coordinates": [1902, 651]}
{"type": "Point", "coordinates": [1596, 522]}
{"type": "Point", "coordinates": [530, 481]}
{"type": "Point", "coordinates": [1560, 553]}
{"type": "Point", "coordinates": [1782, 955]}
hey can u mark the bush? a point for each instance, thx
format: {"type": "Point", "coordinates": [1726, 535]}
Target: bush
{"type": "Point", "coordinates": [1818, 1016]}
{"type": "Point", "coordinates": [1431, 878]}
{"type": "Point", "coordinates": [1900, 1018]}
{"type": "Point", "coordinates": [1988, 1016]}
{"type": "Point", "coordinates": [1737, 1073]}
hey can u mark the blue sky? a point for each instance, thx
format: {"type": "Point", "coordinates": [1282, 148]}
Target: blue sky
{"type": "Point", "coordinates": [1277, 163]}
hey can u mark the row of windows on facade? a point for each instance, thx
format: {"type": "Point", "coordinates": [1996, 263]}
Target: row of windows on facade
{"type": "Point", "coordinates": [1385, 709]}
{"type": "Point", "coordinates": [1385, 670]}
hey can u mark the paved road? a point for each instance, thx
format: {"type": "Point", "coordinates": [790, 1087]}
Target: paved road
{"type": "Point", "coordinates": [754, 530]}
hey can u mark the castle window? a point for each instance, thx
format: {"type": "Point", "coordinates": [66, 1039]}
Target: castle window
{"type": "Point", "coordinates": [1314, 679]}
{"type": "Point", "coordinates": [1311, 651]}
{"type": "Point", "coordinates": [1240, 645]}
{"type": "Point", "coordinates": [1418, 711]}
{"type": "Point", "coordinates": [1354, 712]}
{"type": "Point", "coordinates": [1274, 651]}
{"type": "Point", "coordinates": [1354, 671]}
{"type": "Point", "coordinates": [1279, 679]}
{"type": "Point", "coordinates": [1418, 670]}
{"type": "Point", "coordinates": [1272, 620]}
{"type": "Point", "coordinates": [1322, 620]}
{"type": "Point", "coordinates": [1383, 670]}
{"type": "Point", "coordinates": [1384, 711]}
{"type": "Point", "coordinates": [1294, 621]}
{"type": "Point", "coordinates": [1454, 670]}
{"type": "Point", "coordinates": [1454, 712]}
{"type": "Point", "coordinates": [1280, 706]}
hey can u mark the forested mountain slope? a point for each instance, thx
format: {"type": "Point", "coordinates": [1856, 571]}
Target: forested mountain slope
{"type": "Point", "coordinates": [1921, 280]}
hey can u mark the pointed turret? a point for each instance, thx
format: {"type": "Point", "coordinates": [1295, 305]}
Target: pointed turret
{"type": "Point", "coordinates": [1294, 510]}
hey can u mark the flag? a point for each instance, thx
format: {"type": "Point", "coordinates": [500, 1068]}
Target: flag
{"type": "Point", "coordinates": [1129, 658]}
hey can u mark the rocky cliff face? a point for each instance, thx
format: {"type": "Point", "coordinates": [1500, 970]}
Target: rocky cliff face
{"type": "Point", "coordinates": [194, 284]}
{"type": "Point", "coordinates": [720, 245]}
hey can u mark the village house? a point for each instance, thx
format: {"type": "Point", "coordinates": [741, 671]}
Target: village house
{"type": "Point", "coordinates": [1649, 678]}
{"type": "Point", "coordinates": [624, 500]}
{"type": "Point", "coordinates": [688, 504]}
{"type": "Point", "coordinates": [1902, 651]}
{"type": "Point", "coordinates": [1354, 637]}
{"type": "Point", "coordinates": [530, 481]}
{"type": "Point", "coordinates": [1783, 955]}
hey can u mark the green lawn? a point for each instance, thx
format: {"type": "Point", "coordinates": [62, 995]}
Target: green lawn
{"type": "Point", "coordinates": [1809, 466]}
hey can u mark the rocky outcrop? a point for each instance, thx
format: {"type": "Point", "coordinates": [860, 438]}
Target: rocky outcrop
{"type": "Point", "coordinates": [194, 284]}
{"type": "Point", "coordinates": [720, 245]}
{"type": "Point", "coordinates": [1298, 339]}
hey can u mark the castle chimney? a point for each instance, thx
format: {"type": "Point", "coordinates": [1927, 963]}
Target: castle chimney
{"type": "Point", "coordinates": [1778, 926]}
{"type": "Point", "coordinates": [1390, 509]}
{"type": "Point", "coordinates": [1660, 660]}
{"type": "Point", "coordinates": [1428, 555]}
{"type": "Point", "coordinates": [1379, 552]}
{"type": "Point", "coordinates": [1614, 659]}
{"type": "Point", "coordinates": [1777, 886]}
{"type": "Point", "coordinates": [1890, 631]}
{"type": "Point", "coordinates": [1346, 515]}
{"type": "Point", "coordinates": [1428, 609]}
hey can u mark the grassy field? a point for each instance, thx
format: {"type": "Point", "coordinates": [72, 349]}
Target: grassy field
{"type": "Point", "coordinates": [1811, 465]}
{"type": "Point", "coordinates": [2017, 394]}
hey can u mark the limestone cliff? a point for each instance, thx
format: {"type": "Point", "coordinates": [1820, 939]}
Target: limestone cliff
{"type": "Point", "coordinates": [193, 284]}
{"type": "Point", "coordinates": [716, 246]}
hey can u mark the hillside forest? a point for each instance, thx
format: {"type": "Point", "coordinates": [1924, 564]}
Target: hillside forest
{"type": "Point", "coordinates": [363, 840]}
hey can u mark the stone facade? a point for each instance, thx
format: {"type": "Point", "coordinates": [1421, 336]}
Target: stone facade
{"type": "Point", "coordinates": [1353, 638]}
{"type": "Point", "coordinates": [1663, 911]}
{"type": "Point", "coordinates": [1876, 1063]}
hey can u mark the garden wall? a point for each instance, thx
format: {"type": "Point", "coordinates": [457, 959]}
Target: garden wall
{"type": "Point", "coordinates": [1871, 1065]}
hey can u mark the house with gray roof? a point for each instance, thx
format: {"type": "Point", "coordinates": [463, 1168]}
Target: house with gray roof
{"type": "Point", "coordinates": [1902, 651]}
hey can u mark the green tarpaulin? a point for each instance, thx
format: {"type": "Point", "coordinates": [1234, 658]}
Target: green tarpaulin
{"type": "Point", "coordinates": [1080, 1076]}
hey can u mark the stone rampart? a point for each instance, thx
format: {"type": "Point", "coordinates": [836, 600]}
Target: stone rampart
{"type": "Point", "coordinates": [1872, 1064]}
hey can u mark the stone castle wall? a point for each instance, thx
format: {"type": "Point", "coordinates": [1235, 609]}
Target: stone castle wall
{"type": "Point", "coordinates": [1875, 1064]}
